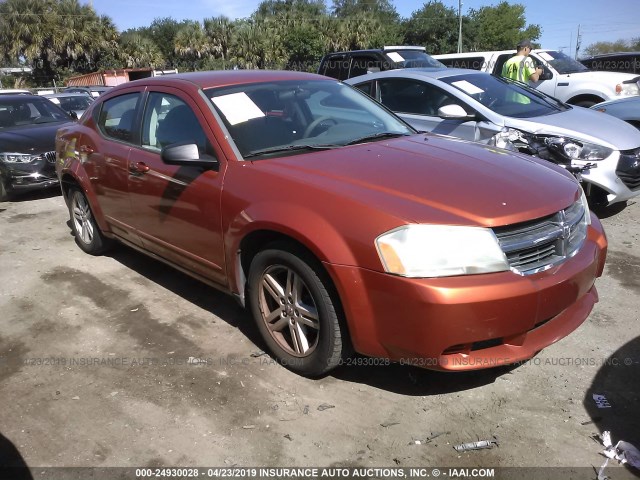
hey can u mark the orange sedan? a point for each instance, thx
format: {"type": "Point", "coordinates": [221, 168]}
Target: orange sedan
{"type": "Point", "coordinates": [338, 225]}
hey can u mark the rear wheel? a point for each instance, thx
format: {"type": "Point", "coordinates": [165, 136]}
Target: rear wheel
{"type": "Point", "coordinates": [291, 303]}
{"type": "Point", "coordinates": [88, 235]}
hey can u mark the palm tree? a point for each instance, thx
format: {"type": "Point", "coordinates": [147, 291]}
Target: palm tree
{"type": "Point", "coordinates": [219, 30]}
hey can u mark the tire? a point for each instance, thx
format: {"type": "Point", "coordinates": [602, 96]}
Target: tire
{"type": "Point", "coordinates": [587, 103]}
{"type": "Point", "coordinates": [294, 311]}
{"type": "Point", "coordinates": [5, 196]}
{"type": "Point", "coordinates": [88, 235]}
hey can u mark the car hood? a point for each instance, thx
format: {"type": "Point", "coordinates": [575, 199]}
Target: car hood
{"type": "Point", "coordinates": [582, 124]}
{"type": "Point", "coordinates": [603, 77]}
{"type": "Point", "coordinates": [432, 179]}
{"type": "Point", "coordinates": [30, 138]}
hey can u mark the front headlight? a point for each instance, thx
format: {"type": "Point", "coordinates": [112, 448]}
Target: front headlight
{"type": "Point", "coordinates": [506, 138]}
{"type": "Point", "coordinates": [440, 251]}
{"type": "Point", "coordinates": [629, 87]}
{"type": "Point", "coordinates": [576, 150]}
{"type": "Point", "coordinates": [8, 157]}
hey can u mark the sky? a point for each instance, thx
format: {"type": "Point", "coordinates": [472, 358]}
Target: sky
{"type": "Point", "coordinates": [599, 20]}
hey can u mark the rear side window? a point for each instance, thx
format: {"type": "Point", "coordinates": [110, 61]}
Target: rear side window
{"type": "Point", "coordinates": [365, 87]}
{"type": "Point", "coordinates": [473, 63]}
{"type": "Point", "coordinates": [360, 65]}
{"type": "Point", "coordinates": [117, 117]}
{"type": "Point", "coordinates": [336, 67]}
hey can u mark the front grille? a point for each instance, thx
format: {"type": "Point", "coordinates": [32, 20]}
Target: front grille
{"type": "Point", "coordinates": [50, 157]}
{"type": "Point", "coordinates": [537, 245]}
{"type": "Point", "coordinates": [628, 169]}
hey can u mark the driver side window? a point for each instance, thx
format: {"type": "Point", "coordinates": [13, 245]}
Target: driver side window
{"type": "Point", "coordinates": [412, 96]}
{"type": "Point", "coordinates": [168, 120]}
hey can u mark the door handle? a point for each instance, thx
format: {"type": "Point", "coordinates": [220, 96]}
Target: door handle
{"type": "Point", "coordinates": [86, 149]}
{"type": "Point", "coordinates": [139, 167]}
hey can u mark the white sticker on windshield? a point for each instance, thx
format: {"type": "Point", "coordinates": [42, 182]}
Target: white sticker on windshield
{"type": "Point", "coordinates": [465, 86]}
{"type": "Point", "coordinates": [546, 57]}
{"type": "Point", "coordinates": [237, 107]}
{"type": "Point", "coordinates": [395, 56]}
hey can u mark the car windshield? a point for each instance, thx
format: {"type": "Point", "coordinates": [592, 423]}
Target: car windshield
{"type": "Point", "coordinates": [28, 110]}
{"type": "Point", "coordinates": [562, 63]}
{"type": "Point", "coordinates": [505, 97]}
{"type": "Point", "coordinates": [75, 103]}
{"type": "Point", "coordinates": [413, 59]}
{"type": "Point", "coordinates": [290, 117]}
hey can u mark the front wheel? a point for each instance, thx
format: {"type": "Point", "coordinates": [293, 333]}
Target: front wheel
{"type": "Point", "coordinates": [5, 196]}
{"type": "Point", "coordinates": [88, 235]}
{"type": "Point", "coordinates": [295, 313]}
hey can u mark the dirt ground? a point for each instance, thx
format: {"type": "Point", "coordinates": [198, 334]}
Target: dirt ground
{"type": "Point", "coordinates": [95, 371]}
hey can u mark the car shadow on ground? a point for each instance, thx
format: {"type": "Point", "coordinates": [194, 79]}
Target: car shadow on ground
{"type": "Point", "coordinates": [12, 465]}
{"type": "Point", "coordinates": [36, 195]}
{"type": "Point", "coordinates": [378, 373]}
{"type": "Point", "coordinates": [415, 381]}
{"type": "Point", "coordinates": [609, 211]}
{"type": "Point", "coordinates": [618, 381]}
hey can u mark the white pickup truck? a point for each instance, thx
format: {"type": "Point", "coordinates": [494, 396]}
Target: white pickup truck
{"type": "Point", "coordinates": [563, 77]}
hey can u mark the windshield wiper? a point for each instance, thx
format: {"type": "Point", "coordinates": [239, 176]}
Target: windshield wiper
{"type": "Point", "coordinates": [289, 148]}
{"type": "Point", "coordinates": [376, 136]}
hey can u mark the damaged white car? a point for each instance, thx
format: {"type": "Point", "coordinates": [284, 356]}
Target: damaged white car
{"type": "Point", "coordinates": [603, 152]}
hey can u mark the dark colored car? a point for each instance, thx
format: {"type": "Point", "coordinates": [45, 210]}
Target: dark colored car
{"type": "Point", "coordinates": [28, 125]}
{"type": "Point", "coordinates": [628, 62]}
{"type": "Point", "coordinates": [336, 223]}
{"type": "Point", "coordinates": [72, 103]}
{"type": "Point", "coordinates": [343, 65]}
{"type": "Point", "coordinates": [93, 92]}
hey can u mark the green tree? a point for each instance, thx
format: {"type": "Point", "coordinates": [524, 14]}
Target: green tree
{"type": "Point", "coordinates": [500, 27]}
{"type": "Point", "coordinates": [137, 50]}
{"type": "Point", "coordinates": [434, 26]}
{"type": "Point", "coordinates": [622, 45]}
{"type": "Point", "coordinates": [220, 32]}
{"type": "Point", "coordinates": [31, 33]}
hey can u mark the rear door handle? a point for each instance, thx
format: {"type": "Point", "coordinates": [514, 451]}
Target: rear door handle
{"type": "Point", "coordinates": [86, 149]}
{"type": "Point", "coordinates": [139, 167]}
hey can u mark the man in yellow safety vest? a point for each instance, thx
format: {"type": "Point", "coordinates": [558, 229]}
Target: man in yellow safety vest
{"type": "Point", "coordinates": [520, 67]}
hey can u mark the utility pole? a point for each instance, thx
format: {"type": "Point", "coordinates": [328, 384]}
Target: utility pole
{"type": "Point", "coordinates": [578, 42]}
{"type": "Point", "coordinates": [460, 27]}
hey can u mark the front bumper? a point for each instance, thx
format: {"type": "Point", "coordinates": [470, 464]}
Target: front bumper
{"type": "Point", "coordinates": [470, 322]}
{"type": "Point", "coordinates": [37, 175]}
{"type": "Point", "coordinates": [618, 175]}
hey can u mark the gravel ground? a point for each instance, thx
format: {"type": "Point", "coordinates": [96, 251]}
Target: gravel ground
{"type": "Point", "coordinates": [95, 372]}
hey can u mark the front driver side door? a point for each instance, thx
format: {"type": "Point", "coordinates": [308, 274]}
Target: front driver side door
{"type": "Point", "coordinates": [178, 207]}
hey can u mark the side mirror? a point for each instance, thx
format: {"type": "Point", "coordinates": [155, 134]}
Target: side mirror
{"type": "Point", "coordinates": [186, 154]}
{"type": "Point", "coordinates": [73, 115]}
{"type": "Point", "coordinates": [546, 73]}
{"type": "Point", "coordinates": [453, 111]}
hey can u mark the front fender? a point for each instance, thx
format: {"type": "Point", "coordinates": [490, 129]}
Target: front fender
{"type": "Point", "coordinates": [302, 224]}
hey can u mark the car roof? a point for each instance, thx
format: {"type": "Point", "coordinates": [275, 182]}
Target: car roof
{"type": "Point", "coordinates": [15, 97]}
{"type": "Point", "coordinates": [416, 73]}
{"type": "Point", "coordinates": [68, 94]}
{"type": "Point", "coordinates": [612, 54]}
{"type": "Point", "coordinates": [220, 78]}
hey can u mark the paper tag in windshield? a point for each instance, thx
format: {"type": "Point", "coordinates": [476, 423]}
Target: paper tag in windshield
{"type": "Point", "coordinates": [546, 57]}
{"type": "Point", "coordinates": [237, 107]}
{"type": "Point", "coordinates": [395, 56]}
{"type": "Point", "coordinates": [465, 86]}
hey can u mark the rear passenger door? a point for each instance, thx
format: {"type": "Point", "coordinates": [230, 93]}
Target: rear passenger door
{"type": "Point", "coordinates": [106, 157]}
